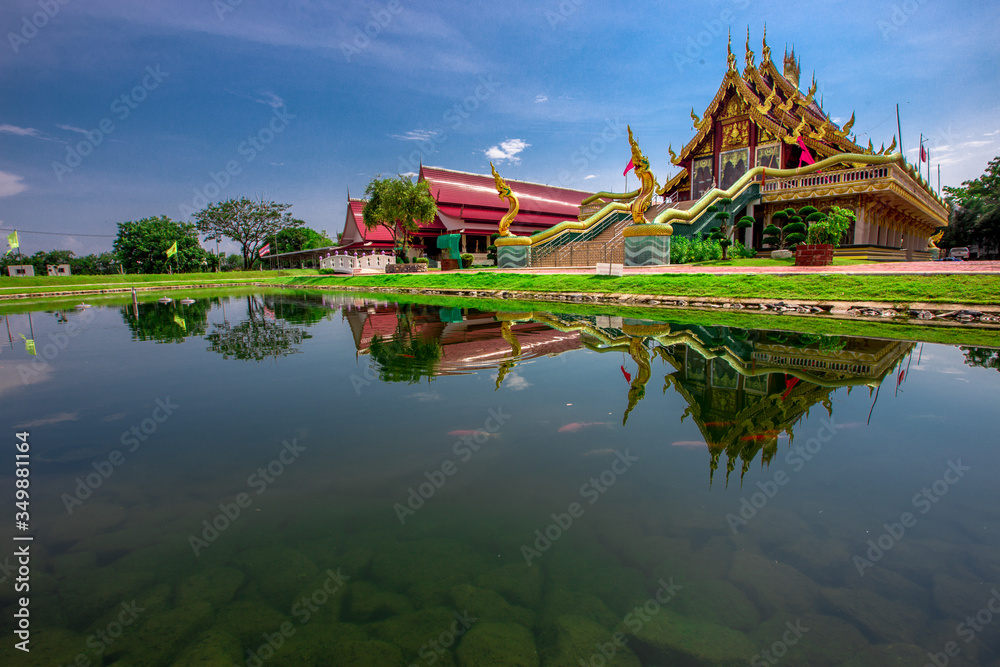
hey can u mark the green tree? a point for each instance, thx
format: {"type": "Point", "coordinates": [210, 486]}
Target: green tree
{"type": "Point", "coordinates": [975, 215]}
{"type": "Point", "coordinates": [252, 224]}
{"type": "Point", "coordinates": [293, 239]}
{"type": "Point", "coordinates": [141, 246]}
{"type": "Point", "coordinates": [399, 205]}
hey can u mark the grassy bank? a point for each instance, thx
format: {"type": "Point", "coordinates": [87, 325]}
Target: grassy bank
{"type": "Point", "coordinates": [968, 289]}
{"type": "Point", "coordinates": [43, 284]}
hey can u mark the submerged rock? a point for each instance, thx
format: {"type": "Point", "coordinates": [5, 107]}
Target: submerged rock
{"type": "Point", "coordinates": [574, 640]}
{"type": "Point", "coordinates": [487, 605]}
{"type": "Point", "coordinates": [668, 638]}
{"type": "Point", "coordinates": [427, 569]}
{"type": "Point", "coordinates": [249, 619]}
{"type": "Point", "coordinates": [772, 586]}
{"type": "Point", "coordinates": [413, 632]}
{"type": "Point", "coordinates": [277, 572]}
{"type": "Point", "coordinates": [595, 571]}
{"type": "Point", "coordinates": [498, 645]}
{"type": "Point", "coordinates": [162, 636]}
{"type": "Point", "coordinates": [517, 582]}
{"type": "Point", "coordinates": [215, 585]}
{"type": "Point", "coordinates": [889, 655]}
{"type": "Point", "coordinates": [49, 646]}
{"type": "Point", "coordinates": [214, 648]}
{"type": "Point", "coordinates": [584, 605]}
{"type": "Point", "coordinates": [810, 640]}
{"type": "Point", "coordinates": [370, 603]}
{"type": "Point", "coordinates": [717, 602]}
{"type": "Point", "coordinates": [884, 620]}
{"type": "Point", "coordinates": [959, 597]}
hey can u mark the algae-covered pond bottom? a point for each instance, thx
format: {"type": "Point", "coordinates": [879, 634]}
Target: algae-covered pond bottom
{"type": "Point", "coordinates": [294, 479]}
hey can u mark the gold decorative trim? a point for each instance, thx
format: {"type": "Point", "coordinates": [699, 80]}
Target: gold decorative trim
{"type": "Point", "coordinates": [650, 229]}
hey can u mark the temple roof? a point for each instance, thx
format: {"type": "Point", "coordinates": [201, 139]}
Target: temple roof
{"type": "Point", "coordinates": [477, 192]}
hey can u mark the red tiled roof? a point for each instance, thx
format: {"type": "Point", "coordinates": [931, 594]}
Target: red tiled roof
{"type": "Point", "coordinates": [477, 190]}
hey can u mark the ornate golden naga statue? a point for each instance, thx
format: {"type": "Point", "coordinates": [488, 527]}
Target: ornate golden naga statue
{"type": "Point", "coordinates": [933, 241]}
{"type": "Point", "coordinates": [646, 180]}
{"type": "Point", "coordinates": [515, 351]}
{"type": "Point", "coordinates": [637, 388]}
{"type": "Point", "coordinates": [504, 192]}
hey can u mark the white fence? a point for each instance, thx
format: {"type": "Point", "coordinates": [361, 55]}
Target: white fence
{"type": "Point", "coordinates": [346, 263]}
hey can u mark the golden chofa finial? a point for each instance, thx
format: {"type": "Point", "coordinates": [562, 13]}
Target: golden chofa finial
{"type": "Point", "coordinates": [504, 192]}
{"type": "Point", "coordinates": [730, 58]}
{"type": "Point", "coordinates": [765, 53]}
{"type": "Point", "coordinates": [749, 54]}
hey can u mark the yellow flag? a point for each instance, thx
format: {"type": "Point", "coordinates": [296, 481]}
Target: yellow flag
{"type": "Point", "coordinates": [29, 345]}
{"type": "Point", "coordinates": [172, 250]}
{"type": "Point", "coordinates": [12, 242]}
{"type": "Point", "coordinates": [180, 320]}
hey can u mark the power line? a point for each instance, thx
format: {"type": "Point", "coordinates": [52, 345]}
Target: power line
{"type": "Point", "coordinates": [24, 231]}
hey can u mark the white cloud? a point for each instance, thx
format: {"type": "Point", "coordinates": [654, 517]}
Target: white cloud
{"type": "Point", "coordinates": [410, 174]}
{"type": "Point", "coordinates": [513, 381]}
{"type": "Point", "coordinates": [507, 150]}
{"type": "Point", "coordinates": [11, 184]}
{"type": "Point", "coordinates": [541, 98]}
{"type": "Point", "coordinates": [992, 134]}
{"type": "Point", "coordinates": [589, 176]}
{"type": "Point", "coordinates": [271, 100]}
{"type": "Point", "coordinates": [416, 135]}
{"type": "Point", "coordinates": [976, 144]}
{"type": "Point", "coordinates": [72, 128]}
{"type": "Point", "coordinates": [20, 131]}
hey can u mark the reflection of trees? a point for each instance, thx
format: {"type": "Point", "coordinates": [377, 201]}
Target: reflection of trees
{"type": "Point", "coordinates": [168, 322]}
{"type": "Point", "coordinates": [405, 356]}
{"type": "Point", "coordinates": [983, 357]}
{"type": "Point", "coordinates": [260, 336]}
{"type": "Point", "coordinates": [307, 311]}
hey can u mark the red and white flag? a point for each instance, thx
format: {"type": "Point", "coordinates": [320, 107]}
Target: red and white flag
{"type": "Point", "coordinates": [265, 250]}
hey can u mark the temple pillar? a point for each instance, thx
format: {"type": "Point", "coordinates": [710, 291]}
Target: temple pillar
{"type": "Point", "coordinates": [860, 228]}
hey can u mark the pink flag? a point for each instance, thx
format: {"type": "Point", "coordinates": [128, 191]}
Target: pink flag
{"type": "Point", "coordinates": [923, 154]}
{"type": "Point", "coordinates": [629, 167]}
{"type": "Point", "coordinates": [806, 155]}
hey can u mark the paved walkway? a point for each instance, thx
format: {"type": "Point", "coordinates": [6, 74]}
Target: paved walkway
{"type": "Point", "coordinates": [884, 268]}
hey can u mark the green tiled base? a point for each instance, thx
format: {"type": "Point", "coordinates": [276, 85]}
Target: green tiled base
{"type": "Point", "coordinates": [647, 250]}
{"type": "Point", "coordinates": [512, 256]}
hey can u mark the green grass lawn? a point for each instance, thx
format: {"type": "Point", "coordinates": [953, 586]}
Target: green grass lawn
{"type": "Point", "coordinates": [969, 289]}
{"type": "Point", "coordinates": [767, 261]}
{"type": "Point", "coordinates": [40, 284]}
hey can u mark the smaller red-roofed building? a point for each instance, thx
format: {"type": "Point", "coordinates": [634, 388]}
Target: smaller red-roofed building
{"type": "Point", "coordinates": [468, 205]}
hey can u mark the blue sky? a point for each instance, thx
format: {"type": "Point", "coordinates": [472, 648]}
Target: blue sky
{"type": "Point", "coordinates": [301, 100]}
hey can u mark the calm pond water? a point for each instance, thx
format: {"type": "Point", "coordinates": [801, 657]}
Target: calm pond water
{"type": "Point", "coordinates": [327, 480]}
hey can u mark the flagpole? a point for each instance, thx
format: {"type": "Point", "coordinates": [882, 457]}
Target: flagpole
{"type": "Point", "coordinates": [939, 179]}
{"type": "Point", "coordinates": [30, 327]}
{"type": "Point", "coordinates": [899, 130]}
{"type": "Point", "coordinates": [6, 318]}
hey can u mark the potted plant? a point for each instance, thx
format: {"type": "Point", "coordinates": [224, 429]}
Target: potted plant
{"type": "Point", "coordinates": [824, 234]}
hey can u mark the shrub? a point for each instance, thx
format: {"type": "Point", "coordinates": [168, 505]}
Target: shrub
{"type": "Point", "coordinates": [420, 260]}
{"type": "Point", "coordinates": [740, 251]}
{"type": "Point", "coordinates": [680, 250]}
{"type": "Point", "coordinates": [467, 260]}
{"type": "Point", "coordinates": [327, 272]}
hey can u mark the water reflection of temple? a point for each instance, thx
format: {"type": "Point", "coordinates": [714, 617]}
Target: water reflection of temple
{"type": "Point", "coordinates": [469, 339]}
{"type": "Point", "coordinates": [745, 389]}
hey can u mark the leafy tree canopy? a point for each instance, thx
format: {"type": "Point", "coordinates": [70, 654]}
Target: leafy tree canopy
{"type": "Point", "coordinates": [252, 224]}
{"type": "Point", "coordinates": [975, 218]}
{"type": "Point", "coordinates": [141, 246]}
{"type": "Point", "coordinates": [293, 239]}
{"type": "Point", "coordinates": [399, 205]}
